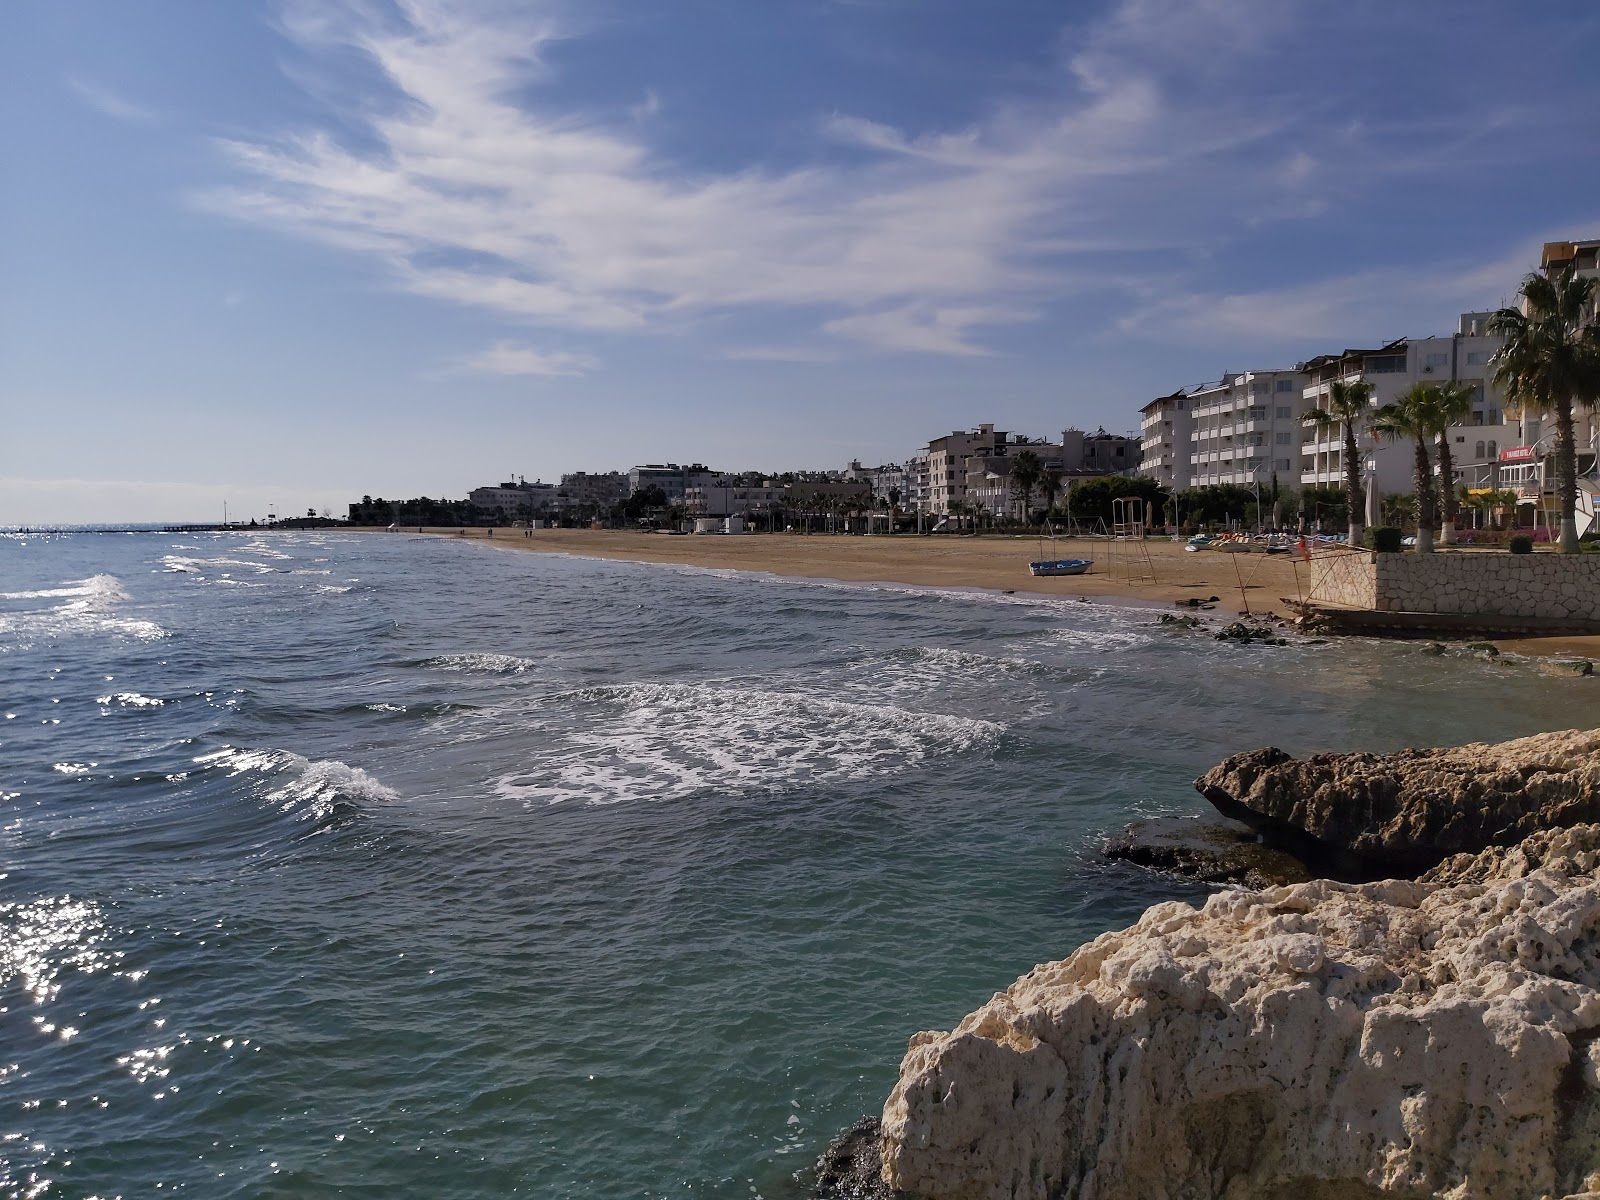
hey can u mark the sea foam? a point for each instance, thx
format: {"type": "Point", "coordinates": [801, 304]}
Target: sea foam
{"type": "Point", "coordinates": [658, 741]}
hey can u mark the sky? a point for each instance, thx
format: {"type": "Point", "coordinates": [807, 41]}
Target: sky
{"type": "Point", "coordinates": [280, 255]}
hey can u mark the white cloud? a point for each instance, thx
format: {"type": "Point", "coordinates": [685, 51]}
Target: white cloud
{"type": "Point", "coordinates": [474, 186]}
{"type": "Point", "coordinates": [504, 358]}
{"type": "Point", "coordinates": [107, 103]}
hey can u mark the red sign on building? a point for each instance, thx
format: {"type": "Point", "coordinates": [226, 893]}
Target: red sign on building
{"type": "Point", "coordinates": [1516, 454]}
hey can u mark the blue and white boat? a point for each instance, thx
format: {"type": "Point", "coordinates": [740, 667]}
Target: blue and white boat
{"type": "Point", "coordinates": [1060, 566]}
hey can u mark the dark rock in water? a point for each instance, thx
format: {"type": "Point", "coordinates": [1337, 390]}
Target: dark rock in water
{"type": "Point", "coordinates": [1574, 667]}
{"type": "Point", "coordinates": [851, 1167]}
{"type": "Point", "coordinates": [1181, 622]}
{"type": "Point", "coordinates": [1238, 631]}
{"type": "Point", "coordinates": [1434, 648]}
{"type": "Point", "coordinates": [1373, 816]}
{"type": "Point", "coordinates": [1213, 851]}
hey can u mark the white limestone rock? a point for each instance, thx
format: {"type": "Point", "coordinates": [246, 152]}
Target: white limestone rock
{"type": "Point", "coordinates": [1321, 1041]}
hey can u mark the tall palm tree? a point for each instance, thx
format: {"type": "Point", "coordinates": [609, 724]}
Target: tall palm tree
{"type": "Point", "coordinates": [1050, 486]}
{"type": "Point", "coordinates": [1026, 470]}
{"type": "Point", "coordinates": [1348, 408]}
{"type": "Point", "coordinates": [1453, 406]}
{"type": "Point", "coordinates": [1415, 415]}
{"type": "Point", "coordinates": [1551, 360]}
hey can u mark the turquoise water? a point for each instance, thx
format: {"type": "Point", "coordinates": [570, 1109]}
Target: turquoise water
{"type": "Point", "coordinates": [382, 865]}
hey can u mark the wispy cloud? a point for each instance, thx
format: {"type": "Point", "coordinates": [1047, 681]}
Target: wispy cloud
{"type": "Point", "coordinates": [106, 102]}
{"type": "Point", "coordinates": [1373, 306]}
{"type": "Point", "coordinates": [477, 187]}
{"type": "Point", "coordinates": [505, 358]}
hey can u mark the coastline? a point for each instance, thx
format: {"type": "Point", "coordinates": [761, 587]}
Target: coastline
{"type": "Point", "coordinates": [1253, 585]}
{"type": "Point", "coordinates": [995, 564]}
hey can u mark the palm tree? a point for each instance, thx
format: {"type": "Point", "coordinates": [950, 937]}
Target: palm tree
{"type": "Point", "coordinates": [1453, 405]}
{"type": "Point", "coordinates": [1415, 415]}
{"type": "Point", "coordinates": [1050, 487]}
{"type": "Point", "coordinates": [1026, 470]}
{"type": "Point", "coordinates": [1551, 359]}
{"type": "Point", "coordinates": [1348, 407]}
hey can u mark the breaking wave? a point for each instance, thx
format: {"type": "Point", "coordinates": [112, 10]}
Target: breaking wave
{"type": "Point", "coordinates": [307, 789]}
{"type": "Point", "coordinates": [86, 607]}
{"type": "Point", "coordinates": [485, 664]}
{"type": "Point", "coordinates": [653, 741]}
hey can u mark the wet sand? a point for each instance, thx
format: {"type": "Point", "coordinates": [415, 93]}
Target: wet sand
{"type": "Point", "coordinates": [1154, 572]}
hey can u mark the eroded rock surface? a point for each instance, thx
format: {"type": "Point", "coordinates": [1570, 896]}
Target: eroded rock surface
{"type": "Point", "coordinates": [1381, 815]}
{"type": "Point", "coordinates": [1212, 851]}
{"type": "Point", "coordinates": [1322, 1040]}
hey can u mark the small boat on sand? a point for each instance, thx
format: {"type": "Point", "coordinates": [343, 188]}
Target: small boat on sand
{"type": "Point", "coordinates": [1060, 566]}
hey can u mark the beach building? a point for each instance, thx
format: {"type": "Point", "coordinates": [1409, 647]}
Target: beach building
{"type": "Point", "coordinates": [580, 489]}
{"type": "Point", "coordinates": [515, 500]}
{"type": "Point", "coordinates": [730, 498]}
{"type": "Point", "coordinates": [1463, 356]}
{"type": "Point", "coordinates": [989, 483]}
{"type": "Point", "coordinates": [917, 488]}
{"type": "Point", "coordinates": [889, 482]}
{"type": "Point", "coordinates": [671, 478]}
{"type": "Point", "coordinates": [949, 460]}
{"type": "Point", "coordinates": [1099, 453]}
{"type": "Point", "coordinates": [1165, 452]}
{"type": "Point", "coordinates": [1245, 428]}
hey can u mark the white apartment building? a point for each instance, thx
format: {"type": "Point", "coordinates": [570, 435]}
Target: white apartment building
{"type": "Point", "coordinates": [1164, 448]}
{"type": "Point", "coordinates": [515, 498]}
{"type": "Point", "coordinates": [916, 496]}
{"type": "Point", "coordinates": [887, 479]}
{"type": "Point", "coordinates": [1462, 357]}
{"type": "Point", "coordinates": [1245, 428]}
{"type": "Point", "coordinates": [671, 478]}
{"type": "Point", "coordinates": [714, 500]}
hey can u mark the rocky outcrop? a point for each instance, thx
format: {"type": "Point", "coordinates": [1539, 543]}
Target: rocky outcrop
{"type": "Point", "coordinates": [1370, 816]}
{"type": "Point", "coordinates": [1323, 1041]}
{"type": "Point", "coordinates": [1212, 851]}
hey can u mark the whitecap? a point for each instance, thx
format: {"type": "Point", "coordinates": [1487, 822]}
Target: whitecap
{"type": "Point", "coordinates": [309, 789]}
{"type": "Point", "coordinates": [492, 664]}
{"type": "Point", "coordinates": [667, 741]}
{"type": "Point", "coordinates": [129, 700]}
{"type": "Point", "coordinates": [87, 607]}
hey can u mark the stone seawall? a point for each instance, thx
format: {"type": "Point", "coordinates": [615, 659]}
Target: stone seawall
{"type": "Point", "coordinates": [1545, 586]}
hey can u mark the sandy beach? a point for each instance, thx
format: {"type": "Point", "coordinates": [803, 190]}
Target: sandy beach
{"type": "Point", "coordinates": [1159, 574]}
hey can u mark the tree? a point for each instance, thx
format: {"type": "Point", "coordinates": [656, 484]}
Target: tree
{"type": "Point", "coordinates": [1551, 360]}
{"type": "Point", "coordinates": [1348, 407]}
{"type": "Point", "coordinates": [1415, 415]}
{"type": "Point", "coordinates": [1026, 470]}
{"type": "Point", "coordinates": [1454, 407]}
{"type": "Point", "coordinates": [1050, 486]}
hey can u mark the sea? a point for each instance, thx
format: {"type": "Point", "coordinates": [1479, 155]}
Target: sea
{"type": "Point", "coordinates": [382, 865]}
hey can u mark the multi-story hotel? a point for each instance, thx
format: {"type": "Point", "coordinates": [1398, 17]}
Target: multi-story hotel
{"type": "Point", "coordinates": [1164, 450]}
{"type": "Point", "coordinates": [1245, 428]}
{"type": "Point", "coordinates": [1390, 369]}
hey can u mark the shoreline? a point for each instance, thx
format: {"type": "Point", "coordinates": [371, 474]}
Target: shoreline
{"type": "Point", "coordinates": [1161, 575]}
{"type": "Point", "coordinates": [987, 564]}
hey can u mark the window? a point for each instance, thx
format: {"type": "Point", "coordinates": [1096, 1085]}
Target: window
{"type": "Point", "coordinates": [1477, 416]}
{"type": "Point", "coordinates": [1492, 452]}
{"type": "Point", "coordinates": [1478, 450]}
{"type": "Point", "coordinates": [1494, 416]}
{"type": "Point", "coordinates": [1260, 386]}
{"type": "Point", "coordinates": [1437, 360]}
{"type": "Point", "coordinates": [1180, 404]}
{"type": "Point", "coordinates": [1476, 358]}
{"type": "Point", "coordinates": [1283, 439]}
{"type": "Point", "coordinates": [1459, 438]}
{"type": "Point", "coordinates": [1385, 364]}
{"type": "Point", "coordinates": [1284, 412]}
{"type": "Point", "coordinates": [1285, 464]}
{"type": "Point", "coordinates": [1258, 414]}
{"type": "Point", "coordinates": [1285, 385]}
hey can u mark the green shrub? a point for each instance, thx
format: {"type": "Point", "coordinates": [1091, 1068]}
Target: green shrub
{"type": "Point", "coordinates": [1385, 540]}
{"type": "Point", "coordinates": [1521, 545]}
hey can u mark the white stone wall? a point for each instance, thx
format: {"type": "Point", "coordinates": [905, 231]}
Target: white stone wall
{"type": "Point", "coordinates": [1550, 586]}
{"type": "Point", "coordinates": [1348, 580]}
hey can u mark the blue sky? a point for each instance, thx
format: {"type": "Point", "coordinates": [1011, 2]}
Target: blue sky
{"type": "Point", "coordinates": [290, 253]}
